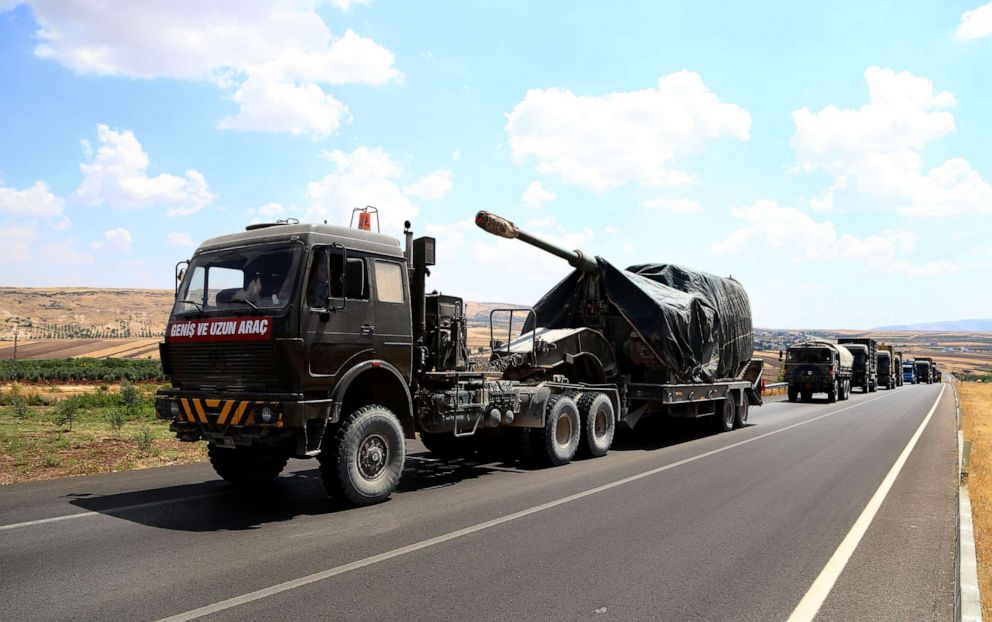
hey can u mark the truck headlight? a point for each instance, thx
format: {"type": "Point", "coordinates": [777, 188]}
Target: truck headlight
{"type": "Point", "coordinates": [267, 414]}
{"type": "Point", "coordinates": [174, 409]}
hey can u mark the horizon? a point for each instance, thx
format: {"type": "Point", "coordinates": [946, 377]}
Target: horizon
{"type": "Point", "coordinates": [842, 185]}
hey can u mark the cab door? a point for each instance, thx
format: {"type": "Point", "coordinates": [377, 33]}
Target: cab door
{"type": "Point", "coordinates": [340, 317]}
{"type": "Point", "coordinates": [394, 324]}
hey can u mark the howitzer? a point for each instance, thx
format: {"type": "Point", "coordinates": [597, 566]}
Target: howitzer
{"type": "Point", "coordinates": [499, 226]}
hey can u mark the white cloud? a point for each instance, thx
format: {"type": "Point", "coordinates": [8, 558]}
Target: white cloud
{"type": "Point", "coordinates": [271, 105]}
{"type": "Point", "coordinates": [114, 241]}
{"type": "Point", "coordinates": [179, 238]}
{"type": "Point", "coordinates": [16, 243]}
{"type": "Point", "coordinates": [629, 248]}
{"type": "Point", "coordinates": [536, 195]}
{"type": "Point", "coordinates": [879, 148]}
{"type": "Point", "coordinates": [803, 238]}
{"type": "Point", "coordinates": [271, 53]}
{"type": "Point", "coordinates": [824, 202]}
{"type": "Point", "coordinates": [272, 210]}
{"type": "Point", "coordinates": [673, 205]}
{"type": "Point", "coordinates": [927, 269]}
{"type": "Point", "coordinates": [622, 138]}
{"type": "Point", "coordinates": [434, 185]}
{"type": "Point", "coordinates": [366, 176]}
{"type": "Point", "coordinates": [975, 24]}
{"type": "Point", "coordinates": [456, 155]}
{"type": "Point", "coordinates": [33, 201]}
{"type": "Point", "coordinates": [345, 5]}
{"type": "Point", "coordinates": [116, 175]}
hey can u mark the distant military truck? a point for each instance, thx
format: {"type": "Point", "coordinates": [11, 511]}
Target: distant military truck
{"type": "Point", "coordinates": [938, 376]}
{"type": "Point", "coordinates": [865, 352]}
{"type": "Point", "coordinates": [909, 371]}
{"type": "Point", "coordinates": [818, 367]}
{"type": "Point", "coordinates": [887, 371]}
{"type": "Point", "coordinates": [898, 369]}
{"type": "Point", "coordinates": [923, 367]}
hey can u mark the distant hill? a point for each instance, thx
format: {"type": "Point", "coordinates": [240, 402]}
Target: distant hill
{"type": "Point", "coordinates": [971, 326]}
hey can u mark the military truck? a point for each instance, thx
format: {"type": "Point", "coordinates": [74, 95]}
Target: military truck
{"type": "Point", "coordinates": [865, 352]}
{"type": "Point", "coordinates": [887, 369]}
{"type": "Point", "coordinates": [818, 367]}
{"type": "Point", "coordinates": [898, 369]}
{"type": "Point", "coordinates": [938, 376]}
{"type": "Point", "coordinates": [924, 365]}
{"type": "Point", "coordinates": [319, 341]}
{"type": "Point", "coordinates": [909, 371]}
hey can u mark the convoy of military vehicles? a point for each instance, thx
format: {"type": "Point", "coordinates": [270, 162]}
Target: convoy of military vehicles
{"type": "Point", "coordinates": [319, 341]}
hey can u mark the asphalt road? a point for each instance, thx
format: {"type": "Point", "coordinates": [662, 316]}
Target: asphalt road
{"type": "Point", "coordinates": [674, 524]}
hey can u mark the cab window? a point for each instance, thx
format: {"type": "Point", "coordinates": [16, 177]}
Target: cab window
{"type": "Point", "coordinates": [389, 282]}
{"type": "Point", "coordinates": [353, 286]}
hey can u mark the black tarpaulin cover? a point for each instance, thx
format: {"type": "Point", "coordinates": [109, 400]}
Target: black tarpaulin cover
{"type": "Point", "coordinates": [697, 324]}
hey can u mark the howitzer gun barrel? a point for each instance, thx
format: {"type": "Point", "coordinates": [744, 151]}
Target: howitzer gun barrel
{"type": "Point", "coordinates": [499, 226]}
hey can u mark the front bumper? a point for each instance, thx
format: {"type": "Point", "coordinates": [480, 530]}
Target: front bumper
{"type": "Point", "coordinates": [197, 415]}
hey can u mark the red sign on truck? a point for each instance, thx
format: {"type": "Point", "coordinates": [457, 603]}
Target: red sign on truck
{"type": "Point", "coordinates": [219, 329]}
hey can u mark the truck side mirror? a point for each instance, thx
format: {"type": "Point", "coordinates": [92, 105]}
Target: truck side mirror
{"type": "Point", "coordinates": [180, 274]}
{"type": "Point", "coordinates": [337, 259]}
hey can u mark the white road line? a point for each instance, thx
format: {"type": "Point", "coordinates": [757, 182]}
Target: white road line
{"type": "Point", "coordinates": [452, 535]}
{"type": "Point", "coordinates": [811, 602]}
{"type": "Point", "coordinates": [117, 510]}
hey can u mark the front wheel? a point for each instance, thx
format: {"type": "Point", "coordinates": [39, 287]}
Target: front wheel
{"type": "Point", "coordinates": [246, 466]}
{"type": "Point", "coordinates": [363, 460]}
{"type": "Point", "coordinates": [598, 424]}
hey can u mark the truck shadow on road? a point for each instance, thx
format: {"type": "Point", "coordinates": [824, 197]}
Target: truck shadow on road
{"type": "Point", "coordinates": [217, 506]}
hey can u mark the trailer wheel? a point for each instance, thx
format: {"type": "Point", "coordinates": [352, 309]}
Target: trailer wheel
{"type": "Point", "coordinates": [847, 389]}
{"type": "Point", "coordinates": [740, 420]}
{"type": "Point", "coordinates": [246, 466]}
{"type": "Point", "coordinates": [724, 415]}
{"type": "Point", "coordinates": [555, 444]}
{"type": "Point", "coordinates": [598, 424]}
{"type": "Point", "coordinates": [363, 461]}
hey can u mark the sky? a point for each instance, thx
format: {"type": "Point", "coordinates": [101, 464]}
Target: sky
{"type": "Point", "coordinates": [834, 157]}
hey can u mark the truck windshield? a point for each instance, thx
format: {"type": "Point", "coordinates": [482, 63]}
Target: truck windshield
{"type": "Point", "coordinates": [809, 355]}
{"type": "Point", "coordinates": [258, 277]}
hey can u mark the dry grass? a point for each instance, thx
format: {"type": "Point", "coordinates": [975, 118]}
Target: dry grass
{"type": "Point", "coordinates": [976, 404]}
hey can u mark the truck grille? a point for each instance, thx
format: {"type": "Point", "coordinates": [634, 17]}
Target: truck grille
{"type": "Point", "coordinates": [232, 366]}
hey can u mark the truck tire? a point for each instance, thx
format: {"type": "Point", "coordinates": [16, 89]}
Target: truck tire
{"type": "Point", "coordinates": [246, 466]}
{"type": "Point", "coordinates": [847, 389]}
{"type": "Point", "coordinates": [362, 461]}
{"type": "Point", "coordinates": [872, 387]}
{"type": "Point", "coordinates": [598, 424]}
{"type": "Point", "coordinates": [555, 444]}
{"type": "Point", "coordinates": [724, 415]}
{"type": "Point", "coordinates": [832, 393]}
{"type": "Point", "coordinates": [793, 394]}
{"type": "Point", "coordinates": [741, 413]}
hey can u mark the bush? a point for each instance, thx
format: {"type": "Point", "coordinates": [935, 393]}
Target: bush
{"type": "Point", "coordinates": [130, 396]}
{"type": "Point", "coordinates": [65, 412]}
{"type": "Point", "coordinates": [117, 417]}
{"type": "Point", "coordinates": [81, 369]}
{"type": "Point", "coordinates": [144, 438]}
{"type": "Point", "coordinates": [19, 407]}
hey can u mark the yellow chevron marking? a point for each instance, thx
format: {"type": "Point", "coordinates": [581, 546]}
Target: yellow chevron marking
{"type": "Point", "coordinates": [212, 403]}
{"type": "Point", "coordinates": [199, 411]}
{"type": "Point", "coordinates": [188, 410]}
{"type": "Point", "coordinates": [251, 419]}
{"type": "Point", "coordinates": [239, 413]}
{"type": "Point", "coordinates": [224, 412]}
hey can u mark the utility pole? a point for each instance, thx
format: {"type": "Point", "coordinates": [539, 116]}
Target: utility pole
{"type": "Point", "coordinates": [15, 345]}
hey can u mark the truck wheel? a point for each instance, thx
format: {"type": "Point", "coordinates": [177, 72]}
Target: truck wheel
{"type": "Point", "coordinates": [740, 416]}
{"type": "Point", "coordinates": [847, 389]}
{"type": "Point", "coordinates": [246, 466]}
{"type": "Point", "coordinates": [556, 443]}
{"type": "Point", "coordinates": [724, 415]}
{"type": "Point", "coordinates": [598, 424]}
{"type": "Point", "coordinates": [872, 387]}
{"type": "Point", "coordinates": [793, 394]}
{"type": "Point", "coordinates": [832, 393]}
{"type": "Point", "coordinates": [363, 461]}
